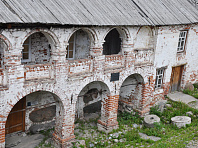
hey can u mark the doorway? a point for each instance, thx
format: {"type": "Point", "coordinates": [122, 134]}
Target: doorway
{"type": "Point", "coordinates": [176, 78]}
{"type": "Point", "coordinates": [16, 119]}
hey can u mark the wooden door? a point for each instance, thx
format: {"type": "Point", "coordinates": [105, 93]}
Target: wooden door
{"type": "Point", "coordinates": [176, 78]}
{"type": "Point", "coordinates": [16, 119]}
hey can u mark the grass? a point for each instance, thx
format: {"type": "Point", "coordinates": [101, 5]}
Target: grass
{"type": "Point", "coordinates": [47, 135]}
{"type": "Point", "coordinates": [193, 93]}
{"type": "Point", "coordinates": [170, 135]}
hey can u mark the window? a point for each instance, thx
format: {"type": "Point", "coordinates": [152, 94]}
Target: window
{"type": "Point", "coordinates": [182, 40]}
{"type": "Point", "coordinates": [26, 52]}
{"type": "Point", "coordinates": [71, 48]}
{"type": "Point", "coordinates": [112, 44]}
{"type": "Point", "coordinates": [159, 77]}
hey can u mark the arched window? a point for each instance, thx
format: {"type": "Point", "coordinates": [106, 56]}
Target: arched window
{"type": "Point", "coordinates": [36, 49]}
{"type": "Point", "coordinates": [78, 47]}
{"type": "Point", "coordinates": [112, 43]}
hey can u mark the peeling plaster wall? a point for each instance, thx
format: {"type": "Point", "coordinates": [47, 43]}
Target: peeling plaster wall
{"type": "Point", "coordinates": [70, 79]}
{"type": "Point", "coordinates": [166, 53]}
{"type": "Point", "coordinates": [144, 38]}
{"type": "Point", "coordinates": [82, 45]}
{"type": "Point", "coordinates": [38, 101]}
{"type": "Point", "coordinates": [39, 47]}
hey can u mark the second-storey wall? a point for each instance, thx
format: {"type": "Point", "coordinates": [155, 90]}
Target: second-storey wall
{"type": "Point", "coordinates": [70, 76]}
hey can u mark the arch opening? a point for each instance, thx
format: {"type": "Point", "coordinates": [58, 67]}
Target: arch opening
{"type": "Point", "coordinates": [38, 111]}
{"type": "Point", "coordinates": [78, 45]}
{"type": "Point", "coordinates": [90, 100]}
{"type": "Point", "coordinates": [112, 44]}
{"type": "Point", "coordinates": [131, 93]}
{"type": "Point", "coordinates": [37, 49]}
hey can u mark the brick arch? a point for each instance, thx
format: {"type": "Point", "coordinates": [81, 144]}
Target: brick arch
{"type": "Point", "coordinates": [59, 121]}
{"type": "Point", "coordinates": [85, 83]}
{"type": "Point", "coordinates": [91, 33]}
{"type": "Point", "coordinates": [24, 92]}
{"type": "Point", "coordinates": [146, 37]}
{"type": "Point", "coordinates": [52, 38]}
{"type": "Point", "coordinates": [6, 41]}
{"type": "Point", "coordinates": [102, 83]}
{"type": "Point", "coordinates": [99, 91]}
{"type": "Point", "coordinates": [131, 92]}
{"type": "Point", "coordinates": [123, 31]}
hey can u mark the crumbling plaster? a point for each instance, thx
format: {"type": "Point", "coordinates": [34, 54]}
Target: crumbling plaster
{"type": "Point", "coordinates": [69, 78]}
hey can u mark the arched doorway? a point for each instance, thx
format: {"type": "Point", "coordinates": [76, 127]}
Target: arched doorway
{"type": "Point", "coordinates": [38, 111]}
{"type": "Point", "coordinates": [112, 44]}
{"type": "Point", "coordinates": [131, 93]}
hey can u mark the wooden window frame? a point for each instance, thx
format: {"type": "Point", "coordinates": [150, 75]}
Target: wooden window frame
{"type": "Point", "coordinates": [74, 47]}
{"type": "Point", "coordinates": [159, 77]}
{"type": "Point", "coordinates": [29, 51]}
{"type": "Point", "coordinates": [182, 38]}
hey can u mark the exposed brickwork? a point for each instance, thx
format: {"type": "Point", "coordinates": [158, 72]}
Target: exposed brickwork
{"type": "Point", "coordinates": [67, 80]}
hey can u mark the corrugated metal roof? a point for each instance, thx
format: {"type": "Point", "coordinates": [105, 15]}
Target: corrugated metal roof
{"type": "Point", "coordinates": [98, 12]}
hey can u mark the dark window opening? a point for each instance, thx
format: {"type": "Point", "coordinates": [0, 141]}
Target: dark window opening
{"type": "Point", "coordinates": [112, 43]}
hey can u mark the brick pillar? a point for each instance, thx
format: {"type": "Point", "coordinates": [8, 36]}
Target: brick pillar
{"type": "Point", "coordinates": [2, 131]}
{"type": "Point", "coordinates": [64, 129]}
{"type": "Point", "coordinates": [147, 96]}
{"type": "Point", "coordinates": [109, 109]}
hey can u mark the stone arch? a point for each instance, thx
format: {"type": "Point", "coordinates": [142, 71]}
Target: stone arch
{"type": "Point", "coordinates": [91, 96]}
{"type": "Point", "coordinates": [38, 47]}
{"type": "Point", "coordinates": [6, 41]}
{"type": "Point", "coordinates": [123, 31]}
{"type": "Point", "coordinates": [49, 107]}
{"type": "Point", "coordinates": [131, 95]}
{"type": "Point", "coordinates": [52, 38]}
{"type": "Point", "coordinates": [79, 43]}
{"type": "Point", "coordinates": [144, 38]}
{"type": "Point", "coordinates": [123, 35]}
{"type": "Point", "coordinates": [91, 33]}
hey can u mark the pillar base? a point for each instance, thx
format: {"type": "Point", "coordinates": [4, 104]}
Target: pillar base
{"type": "Point", "coordinates": [107, 128]}
{"type": "Point", "coordinates": [63, 143]}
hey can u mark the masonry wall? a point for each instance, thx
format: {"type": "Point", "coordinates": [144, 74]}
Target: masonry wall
{"type": "Point", "coordinates": [67, 79]}
{"type": "Point", "coordinates": [35, 113]}
{"type": "Point", "coordinates": [166, 54]}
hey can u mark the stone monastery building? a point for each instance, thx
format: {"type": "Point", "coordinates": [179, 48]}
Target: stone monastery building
{"type": "Point", "coordinates": [63, 59]}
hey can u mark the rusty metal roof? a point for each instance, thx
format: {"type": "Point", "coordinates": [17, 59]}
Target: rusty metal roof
{"type": "Point", "coordinates": [98, 12]}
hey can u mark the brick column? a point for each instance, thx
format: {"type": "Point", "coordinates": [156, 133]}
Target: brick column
{"type": "Point", "coordinates": [109, 109]}
{"type": "Point", "coordinates": [2, 131]}
{"type": "Point", "coordinates": [64, 130]}
{"type": "Point", "coordinates": [147, 96]}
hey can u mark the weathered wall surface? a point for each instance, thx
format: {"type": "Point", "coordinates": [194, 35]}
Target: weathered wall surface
{"type": "Point", "coordinates": [166, 54]}
{"type": "Point", "coordinates": [66, 80]}
{"type": "Point", "coordinates": [34, 103]}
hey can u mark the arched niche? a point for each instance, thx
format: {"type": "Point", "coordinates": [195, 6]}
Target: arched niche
{"type": "Point", "coordinates": [144, 38]}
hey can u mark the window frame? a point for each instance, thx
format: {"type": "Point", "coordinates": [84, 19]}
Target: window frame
{"type": "Point", "coordinates": [161, 79]}
{"type": "Point", "coordinates": [74, 47]}
{"type": "Point", "coordinates": [180, 47]}
{"type": "Point", "coordinates": [29, 50]}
